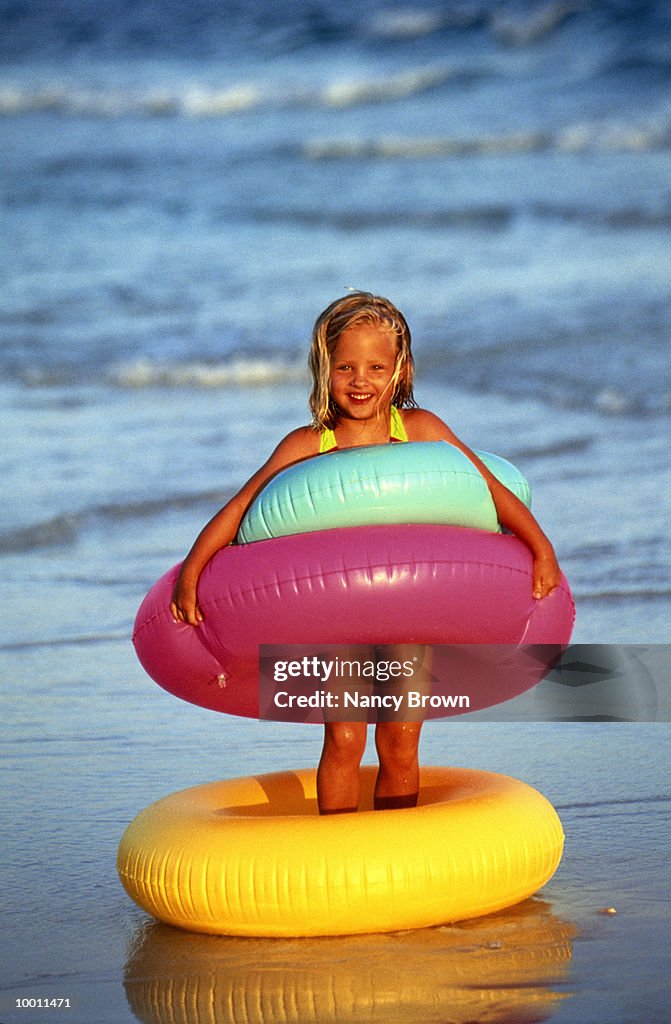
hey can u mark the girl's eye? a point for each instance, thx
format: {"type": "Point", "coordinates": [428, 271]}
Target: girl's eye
{"type": "Point", "coordinates": [347, 367]}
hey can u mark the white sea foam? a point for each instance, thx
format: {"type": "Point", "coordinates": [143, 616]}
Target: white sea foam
{"type": "Point", "coordinates": [583, 137]}
{"type": "Point", "coordinates": [212, 99]}
{"type": "Point", "coordinates": [523, 29]}
{"type": "Point", "coordinates": [200, 102]}
{"type": "Point", "coordinates": [407, 23]}
{"type": "Point", "coordinates": [147, 373]}
{"type": "Point", "coordinates": [349, 92]}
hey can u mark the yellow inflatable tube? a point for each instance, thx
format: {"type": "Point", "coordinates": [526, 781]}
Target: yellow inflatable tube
{"type": "Point", "coordinates": [252, 856]}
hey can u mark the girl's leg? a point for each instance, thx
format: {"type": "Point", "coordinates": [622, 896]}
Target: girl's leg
{"type": "Point", "coordinates": [338, 785]}
{"type": "Point", "coordinates": [397, 745]}
{"type": "Point", "coordinates": [397, 737]}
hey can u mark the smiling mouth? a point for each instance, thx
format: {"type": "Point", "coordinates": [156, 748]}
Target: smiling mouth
{"type": "Point", "coordinates": [360, 396]}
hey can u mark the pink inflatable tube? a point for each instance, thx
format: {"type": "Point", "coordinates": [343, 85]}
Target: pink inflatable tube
{"type": "Point", "coordinates": [391, 584]}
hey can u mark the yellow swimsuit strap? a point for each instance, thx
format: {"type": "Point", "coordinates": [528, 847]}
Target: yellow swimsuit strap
{"type": "Point", "coordinates": [397, 432]}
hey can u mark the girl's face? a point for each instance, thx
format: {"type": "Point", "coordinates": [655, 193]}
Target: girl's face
{"type": "Point", "coordinates": [362, 367]}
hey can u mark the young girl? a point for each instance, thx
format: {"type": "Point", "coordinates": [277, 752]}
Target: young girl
{"type": "Point", "coordinates": [362, 371]}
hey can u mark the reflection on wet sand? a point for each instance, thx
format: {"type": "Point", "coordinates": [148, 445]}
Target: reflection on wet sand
{"type": "Point", "coordinates": [501, 969]}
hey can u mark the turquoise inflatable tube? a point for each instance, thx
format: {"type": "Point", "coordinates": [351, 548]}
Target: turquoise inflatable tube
{"type": "Point", "coordinates": [414, 482]}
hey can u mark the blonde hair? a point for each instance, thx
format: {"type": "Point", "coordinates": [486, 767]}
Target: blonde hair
{"type": "Point", "coordinates": [356, 308]}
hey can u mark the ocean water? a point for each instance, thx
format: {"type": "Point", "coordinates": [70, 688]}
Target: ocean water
{"type": "Point", "coordinates": [183, 189]}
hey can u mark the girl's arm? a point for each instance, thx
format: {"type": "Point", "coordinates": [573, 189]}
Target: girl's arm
{"type": "Point", "coordinates": [511, 512]}
{"type": "Point", "coordinates": [223, 527]}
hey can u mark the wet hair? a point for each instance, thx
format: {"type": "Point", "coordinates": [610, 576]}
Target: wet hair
{"type": "Point", "coordinates": [356, 308]}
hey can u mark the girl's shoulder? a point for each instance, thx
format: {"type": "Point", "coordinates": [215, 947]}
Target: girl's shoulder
{"type": "Point", "coordinates": [300, 443]}
{"type": "Point", "coordinates": [424, 425]}
{"type": "Point", "coordinates": [297, 445]}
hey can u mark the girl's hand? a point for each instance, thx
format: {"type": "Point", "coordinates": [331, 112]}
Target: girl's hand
{"type": "Point", "coordinates": [184, 604]}
{"type": "Point", "coordinates": [547, 574]}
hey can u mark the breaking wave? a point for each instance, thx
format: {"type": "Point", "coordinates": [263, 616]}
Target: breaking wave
{"type": "Point", "coordinates": [574, 139]}
{"type": "Point", "coordinates": [201, 100]}
{"type": "Point", "coordinates": [147, 373]}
